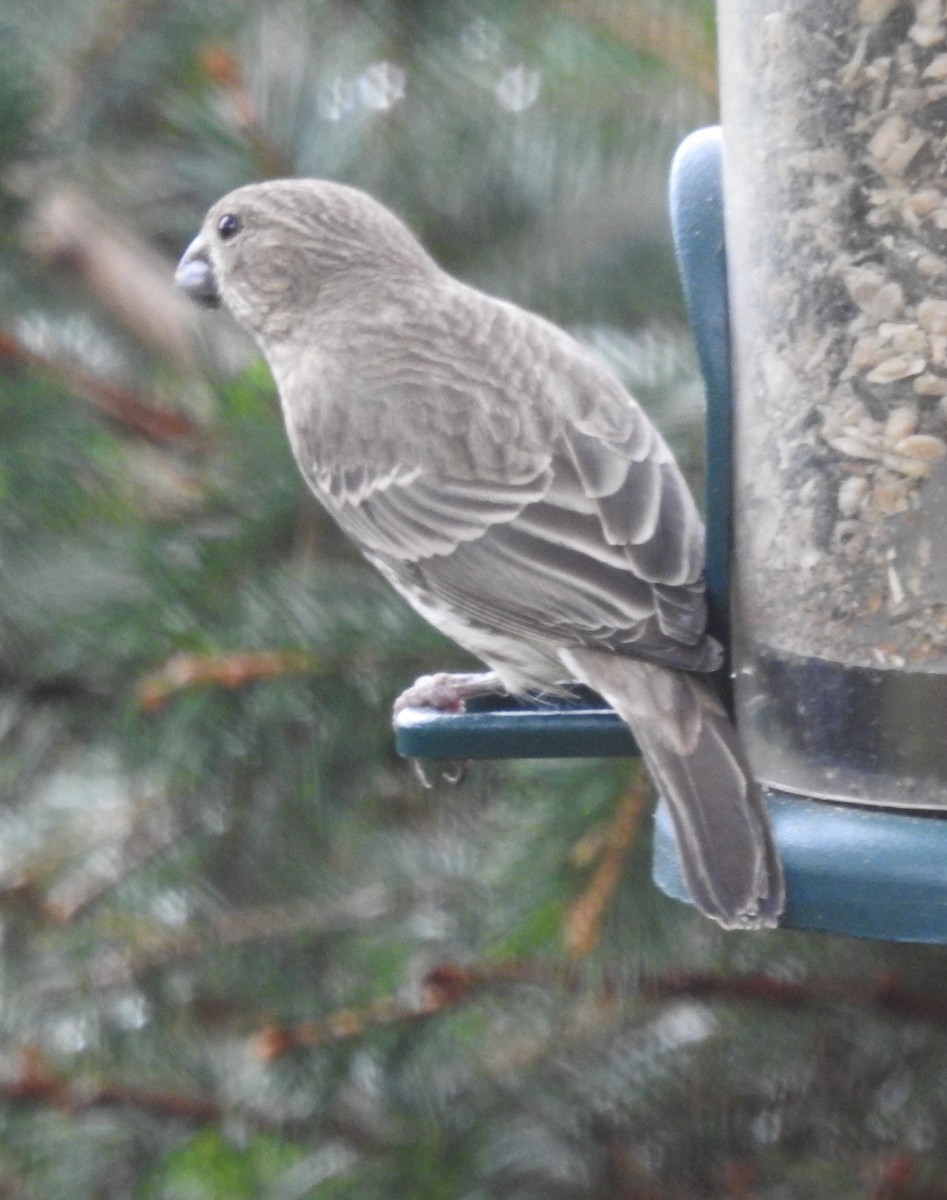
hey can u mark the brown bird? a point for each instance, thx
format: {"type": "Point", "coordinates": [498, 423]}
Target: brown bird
{"type": "Point", "coordinates": [503, 480]}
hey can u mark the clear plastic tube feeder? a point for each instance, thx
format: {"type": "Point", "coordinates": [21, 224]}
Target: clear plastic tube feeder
{"type": "Point", "coordinates": [835, 168]}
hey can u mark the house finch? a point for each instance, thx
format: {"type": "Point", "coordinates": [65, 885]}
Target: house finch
{"type": "Point", "coordinates": [503, 480]}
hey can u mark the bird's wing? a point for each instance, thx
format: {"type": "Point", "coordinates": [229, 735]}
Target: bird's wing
{"type": "Point", "coordinates": [414, 514]}
{"type": "Point", "coordinates": [556, 511]}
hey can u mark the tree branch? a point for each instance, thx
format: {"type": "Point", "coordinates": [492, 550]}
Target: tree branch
{"type": "Point", "coordinates": [183, 671]}
{"type": "Point", "coordinates": [120, 404]}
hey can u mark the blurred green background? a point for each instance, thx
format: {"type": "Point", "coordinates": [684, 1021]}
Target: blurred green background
{"type": "Point", "coordinates": [242, 952]}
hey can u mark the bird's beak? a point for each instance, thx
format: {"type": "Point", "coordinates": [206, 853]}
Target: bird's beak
{"type": "Point", "coordinates": [195, 274]}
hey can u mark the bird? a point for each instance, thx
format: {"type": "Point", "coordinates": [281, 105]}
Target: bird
{"type": "Point", "coordinates": [500, 476]}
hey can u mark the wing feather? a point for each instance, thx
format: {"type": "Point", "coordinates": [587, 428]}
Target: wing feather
{"type": "Point", "coordinates": [557, 514]}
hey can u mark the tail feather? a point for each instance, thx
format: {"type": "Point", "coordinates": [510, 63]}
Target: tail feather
{"type": "Point", "coordinates": [690, 747]}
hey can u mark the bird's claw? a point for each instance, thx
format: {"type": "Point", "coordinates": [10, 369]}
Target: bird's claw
{"type": "Point", "coordinates": [451, 770]}
{"type": "Point", "coordinates": [447, 692]}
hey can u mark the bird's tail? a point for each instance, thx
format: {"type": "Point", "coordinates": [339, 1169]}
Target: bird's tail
{"type": "Point", "coordinates": [690, 747]}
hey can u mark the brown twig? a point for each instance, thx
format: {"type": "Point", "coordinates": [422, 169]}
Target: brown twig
{"type": "Point", "coordinates": [183, 671]}
{"type": "Point", "coordinates": [35, 1084]}
{"type": "Point", "coordinates": [445, 987]}
{"type": "Point", "coordinates": [885, 997]}
{"type": "Point", "coordinates": [450, 986]}
{"type": "Point", "coordinates": [273, 1040]}
{"type": "Point", "coordinates": [583, 922]}
{"type": "Point", "coordinates": [155, 423]}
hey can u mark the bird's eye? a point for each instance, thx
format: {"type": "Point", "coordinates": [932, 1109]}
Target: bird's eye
{"type": "Point", "coordinates": [228, 226]}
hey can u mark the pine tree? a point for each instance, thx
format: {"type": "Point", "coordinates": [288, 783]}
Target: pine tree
{"type": "Point", "coordinates": [245, 954]}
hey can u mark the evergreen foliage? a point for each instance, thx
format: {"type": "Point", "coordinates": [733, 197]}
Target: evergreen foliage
{"type": "Point", "coordinates": [244, 953]}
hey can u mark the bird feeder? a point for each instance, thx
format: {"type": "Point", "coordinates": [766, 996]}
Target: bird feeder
{"type": "Point", "coordinates": [826, 457]}
{"type": "Point", "coordinates": [835, 115]}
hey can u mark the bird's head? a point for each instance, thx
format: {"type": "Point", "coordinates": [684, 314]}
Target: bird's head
{"type": "Point", "coordinates": [277, 253]}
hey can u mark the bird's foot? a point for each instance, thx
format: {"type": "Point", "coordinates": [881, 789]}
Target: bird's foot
{"type": "Point", "coordinates": [447, 692]}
